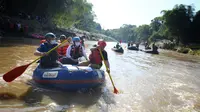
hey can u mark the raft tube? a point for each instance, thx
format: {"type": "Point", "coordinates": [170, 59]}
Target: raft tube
{"type": "Point", "coordinates": [69, 77]}
{"type": "Point", "coordinates": [133, 48]}
{"type": "Point", "coordinates": [120, 50]}
{"type": "Point", "coordinates": [152, 52]}
{"type": "Point", "coordinates": [146, 48]}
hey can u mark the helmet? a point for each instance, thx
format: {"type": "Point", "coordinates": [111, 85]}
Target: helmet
{"type": "Point", "coordinates": [63, 37]}
{"type": "Point", "coordinates": [102, 43]}
{"type": "Point", "coordinates": [50, 35]}
{"type": "Point", "coordinates": [76, 39]}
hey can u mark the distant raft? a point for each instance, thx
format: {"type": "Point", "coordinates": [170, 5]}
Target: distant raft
{"type": "Point", "coordinates": [120, 50]}
{"type": "Point", "coordinates": [133, 48]}
{"type": "Point", "coordinates": [152, 52]}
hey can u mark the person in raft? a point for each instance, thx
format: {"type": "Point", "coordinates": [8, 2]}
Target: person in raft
{"type": "Point", "coordinates": [48, 60]}
{"type": "Point", "coordinates": [74, 52]}
{"type": "Point", "coordinates": [154, 48]}
{"type": "Point", "coordinates": [118, 46]}
{"type": "Point", "coordinates": [62, 50]}
{"type": "Point", "coordinates": [95, 57]}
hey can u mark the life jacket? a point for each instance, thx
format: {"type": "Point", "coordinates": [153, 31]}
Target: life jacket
{"type": "Point", "coordinates": [62, 50]}
{"type": "Point", "coordinates": [95, 57]}
{"type": "Point", "coordinates": [76, 52]}
{"type": "Point", "coordinates": [51, 58]}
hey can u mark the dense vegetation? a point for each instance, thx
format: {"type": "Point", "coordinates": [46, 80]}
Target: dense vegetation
{"type": "Point", "coordinates": [63, 13]}
{"type": "Point", "coordinates": [181, 25]}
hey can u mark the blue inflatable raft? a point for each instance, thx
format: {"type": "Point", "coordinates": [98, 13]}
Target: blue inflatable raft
{"type": "Point", "coordinates": [69, 77]}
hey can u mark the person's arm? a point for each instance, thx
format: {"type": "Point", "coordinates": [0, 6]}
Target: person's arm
{"type": "Point", "coordinates": [68, 52]}
{"type": "Point", "coordinates": [39, 50]}
{"type": "Point", "coordinates": [105, 55]}
{"type": "Point", "coordinates": [84, 53]}
{"type": "Point", "coordinates": [38, 53]}
{"type": "Point", "coordinates": [107, 64]}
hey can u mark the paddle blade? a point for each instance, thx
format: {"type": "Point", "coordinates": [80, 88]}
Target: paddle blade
{"type": "Point", "coordinates": [115, 90]}
{"type": "Point", "coordinates": [14, 73]}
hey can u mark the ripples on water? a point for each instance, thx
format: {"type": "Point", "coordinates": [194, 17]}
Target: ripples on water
{"type": "Point", "coordinates": [168, 82]}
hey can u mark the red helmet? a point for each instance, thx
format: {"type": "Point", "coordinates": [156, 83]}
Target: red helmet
{"type": "Point", "coordinates": [101, 43]}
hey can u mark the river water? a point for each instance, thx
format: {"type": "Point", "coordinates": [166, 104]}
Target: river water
{"type": "Point", "coordinates": [168, 82]}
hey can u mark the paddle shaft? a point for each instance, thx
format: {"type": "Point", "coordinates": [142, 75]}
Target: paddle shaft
{"type": "Point", "coordinates": [107, 68]}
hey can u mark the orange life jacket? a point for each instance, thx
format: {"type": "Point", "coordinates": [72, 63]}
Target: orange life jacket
{"type": "Point", "coordinates": [62, 50]}
{"type": "Point", "coordinates": [95, 57]}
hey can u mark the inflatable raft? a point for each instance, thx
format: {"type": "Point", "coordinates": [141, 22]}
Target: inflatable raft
{"type": "Point", "coordinates": [146, 48]}
{"type": "Point", "coordinates": [152, 52]}
{"type": "Point", "coordinates": [120, 50]}
{"type": "Point", "coordinates": [37, 36]}
{"type": "Point", "coordinates": [133, 48]}
{"type": "Point", "coordinates": [69, 77]}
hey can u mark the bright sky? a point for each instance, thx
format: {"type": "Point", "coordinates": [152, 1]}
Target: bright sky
{"type": "Point", "coordinates": [114, 13]}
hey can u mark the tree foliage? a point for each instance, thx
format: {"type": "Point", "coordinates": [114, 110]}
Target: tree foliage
{"type": "Point", "coordinates": [125, 32]}
{"type": "Point", "coordinates": [63, 13]}
{"type": "Point", "coordinates": [180, 24]}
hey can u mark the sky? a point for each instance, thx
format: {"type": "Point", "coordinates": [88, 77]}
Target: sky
{"type": "Point", "coordinates": [114, 13]}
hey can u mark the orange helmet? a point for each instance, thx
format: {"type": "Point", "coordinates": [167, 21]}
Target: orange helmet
{"type": "Point", "coordinates": [101, 43]}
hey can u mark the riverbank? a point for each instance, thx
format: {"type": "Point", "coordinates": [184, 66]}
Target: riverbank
{"type": "Point", "coordinates": [18, 28]}
{"type": "Point", "coordinates": [30, 40]}
{"type": "Point", "coordinates": [192, 49]}
{"type": "Point", "coordinates": [17, 41]}
{"type": "Point", "coordinates": [188, 50]}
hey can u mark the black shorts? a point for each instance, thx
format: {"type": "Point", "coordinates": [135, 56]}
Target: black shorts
{"type": "Point", "coordinates": [68, 61]}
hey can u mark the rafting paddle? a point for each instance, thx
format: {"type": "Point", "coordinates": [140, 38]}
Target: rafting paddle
{"type": "Point", "coordinates": [16, 72]}
{"type": "Point", "coordinates": [115, 89]}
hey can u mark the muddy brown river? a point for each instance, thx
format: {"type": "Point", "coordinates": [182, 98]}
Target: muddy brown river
{"type": "Point", "coordinates": [168, 82]}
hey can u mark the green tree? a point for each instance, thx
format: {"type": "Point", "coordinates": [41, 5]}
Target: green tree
{"type": "Point", "coordinates": [196, 28]}
{"type": "Point", "coordinates": [178, 21]}
{"type": "Point", "coordinates": [143, 32]}
{"type": "Point", "coordinates": [156, 23]}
